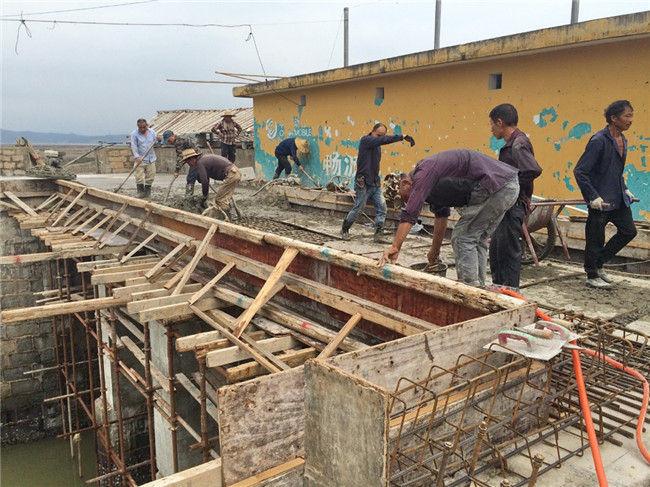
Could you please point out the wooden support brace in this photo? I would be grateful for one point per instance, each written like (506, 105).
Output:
(260, 359)
(340, 336)
(69, 207)
(87, 222)
(22, 205)
(209, 285)
(110, 225)
(164, 260)
(112, 236)
(75, 217)
(9, 205)
(226, 356)
(49, 310)
(136, 232)
(47, 202)
(194, 391)
(200, 252)
(140, 246)
(139, 355)
(59, 204)
(269, 289)
(101, 222)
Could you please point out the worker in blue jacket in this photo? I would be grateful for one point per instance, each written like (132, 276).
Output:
(297, 149)
(599, 174)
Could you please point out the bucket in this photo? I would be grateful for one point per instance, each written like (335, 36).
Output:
(438, 269)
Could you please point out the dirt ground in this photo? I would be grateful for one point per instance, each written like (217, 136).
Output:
(556, 284)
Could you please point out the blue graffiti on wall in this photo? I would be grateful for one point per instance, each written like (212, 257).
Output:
(496, 144)
(576, 133)
(540, 119)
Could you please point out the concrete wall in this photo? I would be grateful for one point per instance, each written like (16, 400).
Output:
(560, 93)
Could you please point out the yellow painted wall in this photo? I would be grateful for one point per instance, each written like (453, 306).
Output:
(560, 96)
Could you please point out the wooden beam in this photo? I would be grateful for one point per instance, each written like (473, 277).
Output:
(200, 252)
(194, 391)
(69, 207)
(157, 302)
(286, 467)
(269, 289)
(23, 206)
(260, 359)
(89, 219)
(165, 259)
(179, 310)
(115, 277)
(9, 205)
(47, 201)
(110, 225)
(134, 235)
(140, 246)
(340, 336)
(49, 310)
(139, 356)
(226, 356)
(112, 236)
(209, 285)
(293, 358)
(62, 254)
(96, 227)
(209, 340)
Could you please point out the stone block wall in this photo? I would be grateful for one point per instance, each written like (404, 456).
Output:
(25, 347)
(14, 160)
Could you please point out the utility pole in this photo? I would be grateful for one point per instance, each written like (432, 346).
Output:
(436, 38)
(346, 36)
(575, 8)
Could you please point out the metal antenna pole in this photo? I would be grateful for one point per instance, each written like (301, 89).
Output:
(346, 36)
(436, 39)
(575, 10)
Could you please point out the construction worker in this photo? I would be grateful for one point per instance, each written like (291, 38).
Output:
(297, 149)
(483, 189)
(228, 130)
(142, 140)
(599, 174)
(367, 185)
(180, 144)
(505, 243)
(215, 167)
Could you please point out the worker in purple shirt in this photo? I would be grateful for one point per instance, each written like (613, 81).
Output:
(215, 167)
(599, 173)
(481, 188)
(505, 244)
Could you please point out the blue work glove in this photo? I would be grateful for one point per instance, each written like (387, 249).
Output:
(410, 140)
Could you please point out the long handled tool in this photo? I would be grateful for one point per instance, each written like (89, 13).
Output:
(169, 190)
(100, 146)
(136, 166)
(310, 178)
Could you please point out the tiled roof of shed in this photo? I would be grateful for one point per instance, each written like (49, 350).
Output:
(186, 122)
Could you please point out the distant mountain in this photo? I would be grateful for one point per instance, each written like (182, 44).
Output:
(9, 137)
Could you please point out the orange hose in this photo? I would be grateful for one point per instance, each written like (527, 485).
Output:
(584, 402)
(618, 365)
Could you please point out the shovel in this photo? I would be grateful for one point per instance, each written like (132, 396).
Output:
(136, 166)
(168, 190)
(310, 178)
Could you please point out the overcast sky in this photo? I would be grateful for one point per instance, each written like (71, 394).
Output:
(69, 72)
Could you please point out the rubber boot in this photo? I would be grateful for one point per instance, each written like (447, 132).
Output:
(147, 191)
(189, 190)
(277, 173)
(345, 230)
(379, 233)
(140, 190)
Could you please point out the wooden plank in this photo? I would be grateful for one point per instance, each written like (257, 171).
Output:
(209, 285)
(160, 292)
(269, 289)
(69, 207)
(226, 356)
(49, 310)
(261, 424)
(140, 266)
(171, 265)
(200, 252)
(97, 265)
(22, 205)
(115, 277)
(205, 475)
(61, 254)
(259, 358)
(112, 236)
(295, 465)
(76, 216)
(209, 340)
(247, 371)
(194, 391)
(47, 201)
(87, 221)
(340, 336)
(165, 259)
(134, 235)
(9, 205)
(96, 227)
(115, 217)
(177, 310)
(157, 302)
(139, 355)
(140, 246)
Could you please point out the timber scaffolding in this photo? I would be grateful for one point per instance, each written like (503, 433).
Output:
(184, 343)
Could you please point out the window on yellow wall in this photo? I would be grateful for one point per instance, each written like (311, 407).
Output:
(303, 100)
(379, 93)
(495, 81)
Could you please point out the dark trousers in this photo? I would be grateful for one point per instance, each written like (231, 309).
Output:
(192, 175)
(283, 164)
(229, 151)
(505, 248)
(597, 252)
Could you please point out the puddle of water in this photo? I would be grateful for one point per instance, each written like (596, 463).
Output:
(47, 463)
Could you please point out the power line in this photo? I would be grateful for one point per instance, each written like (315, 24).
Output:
(146, 24)
(85, 8)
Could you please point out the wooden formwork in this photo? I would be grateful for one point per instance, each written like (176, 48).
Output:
(250, 307)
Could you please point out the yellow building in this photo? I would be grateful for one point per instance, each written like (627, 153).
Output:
(560, 79)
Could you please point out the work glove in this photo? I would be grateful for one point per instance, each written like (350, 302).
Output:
(300, 167)
(203, 204)
(597, 204)
(629, 194)
(410, 140)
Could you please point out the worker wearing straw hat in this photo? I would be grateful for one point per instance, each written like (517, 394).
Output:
(228, 130)
(297, 149)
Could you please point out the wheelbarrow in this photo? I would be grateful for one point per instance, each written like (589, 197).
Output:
(543, 215)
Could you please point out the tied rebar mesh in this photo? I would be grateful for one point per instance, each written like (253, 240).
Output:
(499, 416)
